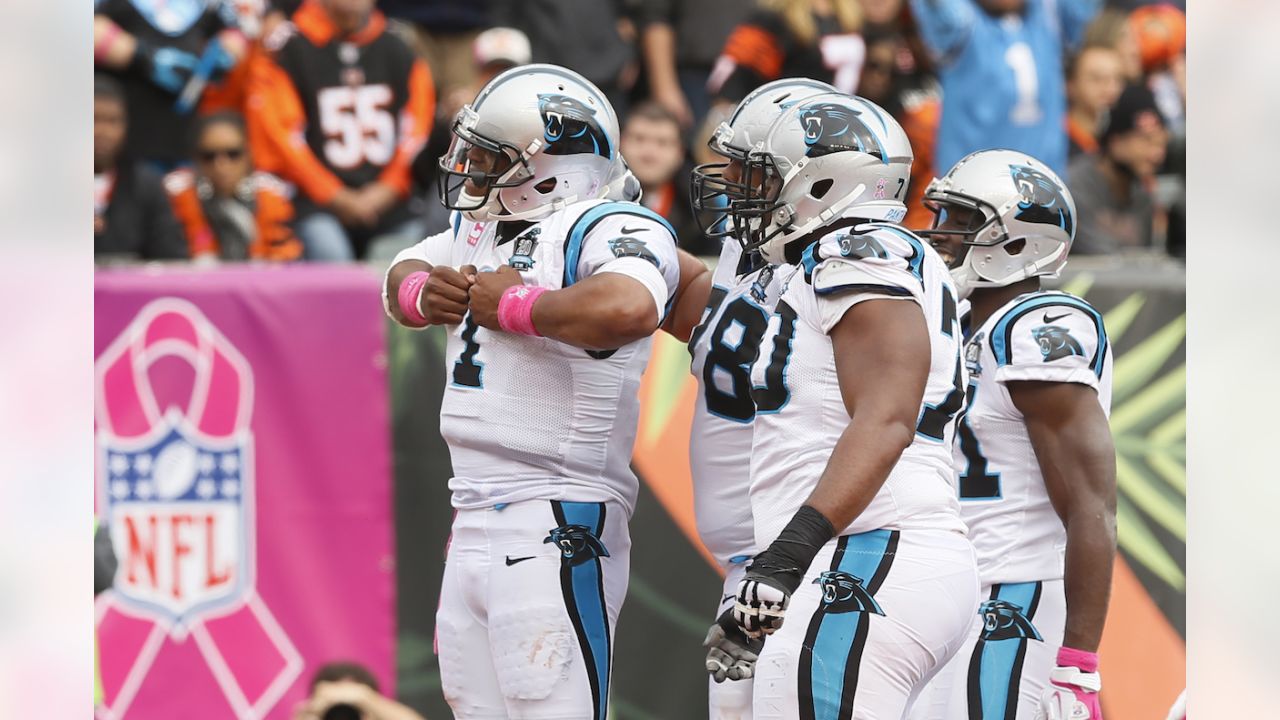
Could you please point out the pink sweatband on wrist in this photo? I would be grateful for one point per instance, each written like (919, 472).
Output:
(1070, 657)
(410, 293)
(515, 309)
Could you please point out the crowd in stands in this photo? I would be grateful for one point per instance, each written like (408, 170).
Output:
(279, 130)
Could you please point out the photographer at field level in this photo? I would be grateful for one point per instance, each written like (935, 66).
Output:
(349, 691)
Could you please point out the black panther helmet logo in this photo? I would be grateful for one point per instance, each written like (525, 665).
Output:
(843, 592)
(1042, 199)
(577, 544)
(570, 127)
(832, 127)
(1002, 620)
(861, 247)
(1056, 342)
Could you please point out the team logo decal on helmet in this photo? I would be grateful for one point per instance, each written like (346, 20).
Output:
(1003, 620)
(577, 544)
(1056, 342)
(1042, 200)
(570, 127)
(831, 127)
(843, 592)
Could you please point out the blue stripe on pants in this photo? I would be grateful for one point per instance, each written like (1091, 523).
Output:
(995, 671)
(832, 652)
(583, 586)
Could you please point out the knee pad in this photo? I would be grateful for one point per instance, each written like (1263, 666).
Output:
(533, 650)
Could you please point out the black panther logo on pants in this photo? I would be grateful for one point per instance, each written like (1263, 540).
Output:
(577, 544)
(570, 127)
(832, 127)
(843, 592)
(1002, 620)
(1042, 198)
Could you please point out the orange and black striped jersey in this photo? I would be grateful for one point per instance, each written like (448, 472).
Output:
(329, 111)
(763, 49)
(266, 197)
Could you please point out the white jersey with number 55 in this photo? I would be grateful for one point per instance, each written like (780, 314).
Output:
(531, 418)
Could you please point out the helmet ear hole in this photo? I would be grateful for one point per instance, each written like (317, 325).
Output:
(1015, 247)
(546, 186)
(820, 188)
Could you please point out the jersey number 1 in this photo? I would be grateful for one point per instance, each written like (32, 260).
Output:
(466, 371)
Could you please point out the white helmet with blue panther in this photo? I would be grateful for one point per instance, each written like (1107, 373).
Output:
(1018, 219)
(535, 139)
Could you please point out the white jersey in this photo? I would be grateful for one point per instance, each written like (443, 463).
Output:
(1044, 336)
(724, 346)
(531, 418)
(793, 442)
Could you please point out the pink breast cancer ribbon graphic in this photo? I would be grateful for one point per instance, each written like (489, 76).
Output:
(175, 473)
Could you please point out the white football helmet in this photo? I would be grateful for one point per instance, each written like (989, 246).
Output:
(1020, 219)
(535, 139)
(709, 189)
(826, 157)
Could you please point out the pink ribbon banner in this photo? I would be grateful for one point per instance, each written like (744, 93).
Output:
(243, 468)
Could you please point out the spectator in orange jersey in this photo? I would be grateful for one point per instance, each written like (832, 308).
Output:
(227, 211)
(791, 38)
(1095, 77)
(343, 107)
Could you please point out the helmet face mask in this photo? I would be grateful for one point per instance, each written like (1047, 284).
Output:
(475, 166)
(741, 179)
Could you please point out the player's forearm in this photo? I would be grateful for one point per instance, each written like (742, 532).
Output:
(597, 314)
(112, 47)
(859, 465)
(391, 290)
(1091, 550)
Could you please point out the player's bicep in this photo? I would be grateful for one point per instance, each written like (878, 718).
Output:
(882, 357)
(637, 247)
(1072, 440)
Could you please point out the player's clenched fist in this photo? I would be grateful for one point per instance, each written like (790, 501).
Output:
(487, 293)
(444, 297)
(760, 606)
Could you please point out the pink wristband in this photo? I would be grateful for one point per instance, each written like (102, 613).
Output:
(515, 309)
(1070, 657)
(409, 295)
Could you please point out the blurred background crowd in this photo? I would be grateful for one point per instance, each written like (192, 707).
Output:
(281, 131)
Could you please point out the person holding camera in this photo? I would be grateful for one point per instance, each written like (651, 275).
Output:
(349, 691)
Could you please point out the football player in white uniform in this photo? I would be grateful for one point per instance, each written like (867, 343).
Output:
(738, 299)
(851, 482)
(549, 294)
(1034, 454)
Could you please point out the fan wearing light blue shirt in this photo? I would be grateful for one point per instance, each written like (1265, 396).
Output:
(1001, 67)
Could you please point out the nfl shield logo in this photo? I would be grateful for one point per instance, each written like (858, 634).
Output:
(179, 505)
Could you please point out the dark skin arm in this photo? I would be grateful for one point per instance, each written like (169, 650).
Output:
(1077, 457)
(444, 298)
(882, 362)
(602, 312)
(691, 297)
